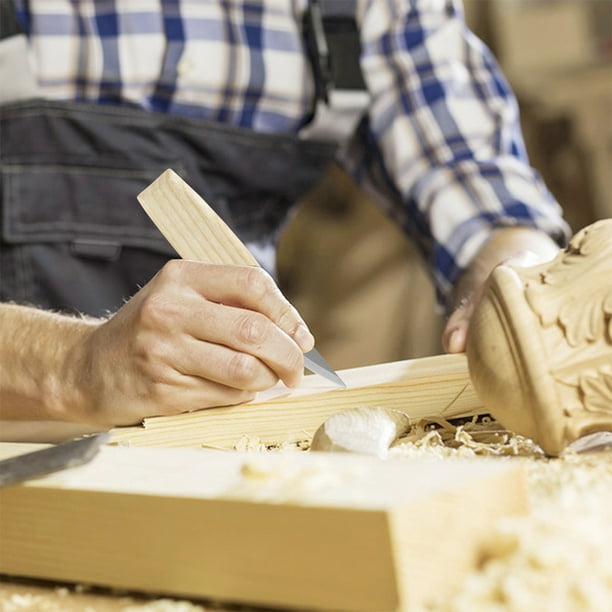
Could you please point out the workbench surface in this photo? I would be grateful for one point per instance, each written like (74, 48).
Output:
(557, 558)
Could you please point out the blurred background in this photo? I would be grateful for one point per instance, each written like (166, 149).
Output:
(355, 278)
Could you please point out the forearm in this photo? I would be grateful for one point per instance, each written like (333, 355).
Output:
(38, 380)
(445, 149)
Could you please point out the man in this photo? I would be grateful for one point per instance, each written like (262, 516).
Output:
(224, 93)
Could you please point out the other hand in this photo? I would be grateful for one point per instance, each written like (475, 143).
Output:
(519, 246)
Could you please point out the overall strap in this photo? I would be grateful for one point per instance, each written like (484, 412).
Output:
(334, 49)
(332, 39)
(340, 26)
(9, 26)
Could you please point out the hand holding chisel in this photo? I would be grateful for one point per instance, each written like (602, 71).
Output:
(193, 228)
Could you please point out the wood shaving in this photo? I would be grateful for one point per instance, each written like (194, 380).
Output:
(252, 444)
(165, 605)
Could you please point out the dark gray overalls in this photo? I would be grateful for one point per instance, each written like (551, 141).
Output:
(72, 235)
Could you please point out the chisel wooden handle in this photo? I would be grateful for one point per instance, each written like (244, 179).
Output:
(191, 226)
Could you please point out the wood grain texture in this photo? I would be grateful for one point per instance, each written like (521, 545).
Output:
(190, 225)
(436, 386)
(289, 529)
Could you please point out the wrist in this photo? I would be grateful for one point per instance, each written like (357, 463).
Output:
(41, 377)
(517, 245)
(70, 386)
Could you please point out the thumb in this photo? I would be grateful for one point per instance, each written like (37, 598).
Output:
(454, 336)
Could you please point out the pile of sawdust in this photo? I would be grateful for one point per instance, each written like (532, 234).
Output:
(556, 559)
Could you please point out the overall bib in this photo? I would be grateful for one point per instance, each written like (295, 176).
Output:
(73, 237)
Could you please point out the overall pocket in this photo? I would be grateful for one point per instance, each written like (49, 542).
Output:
(74, 237)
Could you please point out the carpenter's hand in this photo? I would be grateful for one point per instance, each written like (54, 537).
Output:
(196, 336)
(517, 246)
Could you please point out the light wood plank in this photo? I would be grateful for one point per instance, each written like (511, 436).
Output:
(436, 386)
(295, 530)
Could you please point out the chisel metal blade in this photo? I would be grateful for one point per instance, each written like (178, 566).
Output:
(598, 441)
(314, 362)
(51, 459)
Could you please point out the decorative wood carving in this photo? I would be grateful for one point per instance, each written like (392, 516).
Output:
(540, 344)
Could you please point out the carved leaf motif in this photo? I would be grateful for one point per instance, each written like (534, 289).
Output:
(586, 320)
(597, 390)
(557, 293)
(565, 268)
(591, 244)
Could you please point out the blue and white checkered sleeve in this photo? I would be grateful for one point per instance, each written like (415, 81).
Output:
(442, 147)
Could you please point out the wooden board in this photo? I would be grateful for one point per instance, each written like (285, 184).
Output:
(436, 386)
(290, 529)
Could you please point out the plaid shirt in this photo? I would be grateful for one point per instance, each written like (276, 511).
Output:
(442, 151)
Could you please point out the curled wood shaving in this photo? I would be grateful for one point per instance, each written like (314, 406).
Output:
(475, 437)
(252, 444)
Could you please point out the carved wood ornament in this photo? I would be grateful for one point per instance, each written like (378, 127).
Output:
(540, 343)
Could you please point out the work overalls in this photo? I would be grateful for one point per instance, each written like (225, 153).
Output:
(73, 236)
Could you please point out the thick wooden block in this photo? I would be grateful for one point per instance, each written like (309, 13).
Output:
(294, 529)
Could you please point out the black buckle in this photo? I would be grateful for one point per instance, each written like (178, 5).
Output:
(9, 26)
(318, 51)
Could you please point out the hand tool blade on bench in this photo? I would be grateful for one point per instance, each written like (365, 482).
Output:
(313, 360)
(195, 231)
(598, 441)
(50, 459)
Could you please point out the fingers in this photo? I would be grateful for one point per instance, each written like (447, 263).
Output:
(516, 247)
(195, 336)
(227, 322)
(243, 349)
(454, 336)
(253, 289)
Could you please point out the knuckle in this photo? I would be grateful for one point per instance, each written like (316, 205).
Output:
(258, 283)
(155, 310)
(294, 361)
(242, 369)
(251, 329)
(288, 317)
(260, 286)
(171, 270)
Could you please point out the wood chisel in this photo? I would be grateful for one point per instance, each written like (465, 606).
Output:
(50, 459)
(195, 231)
